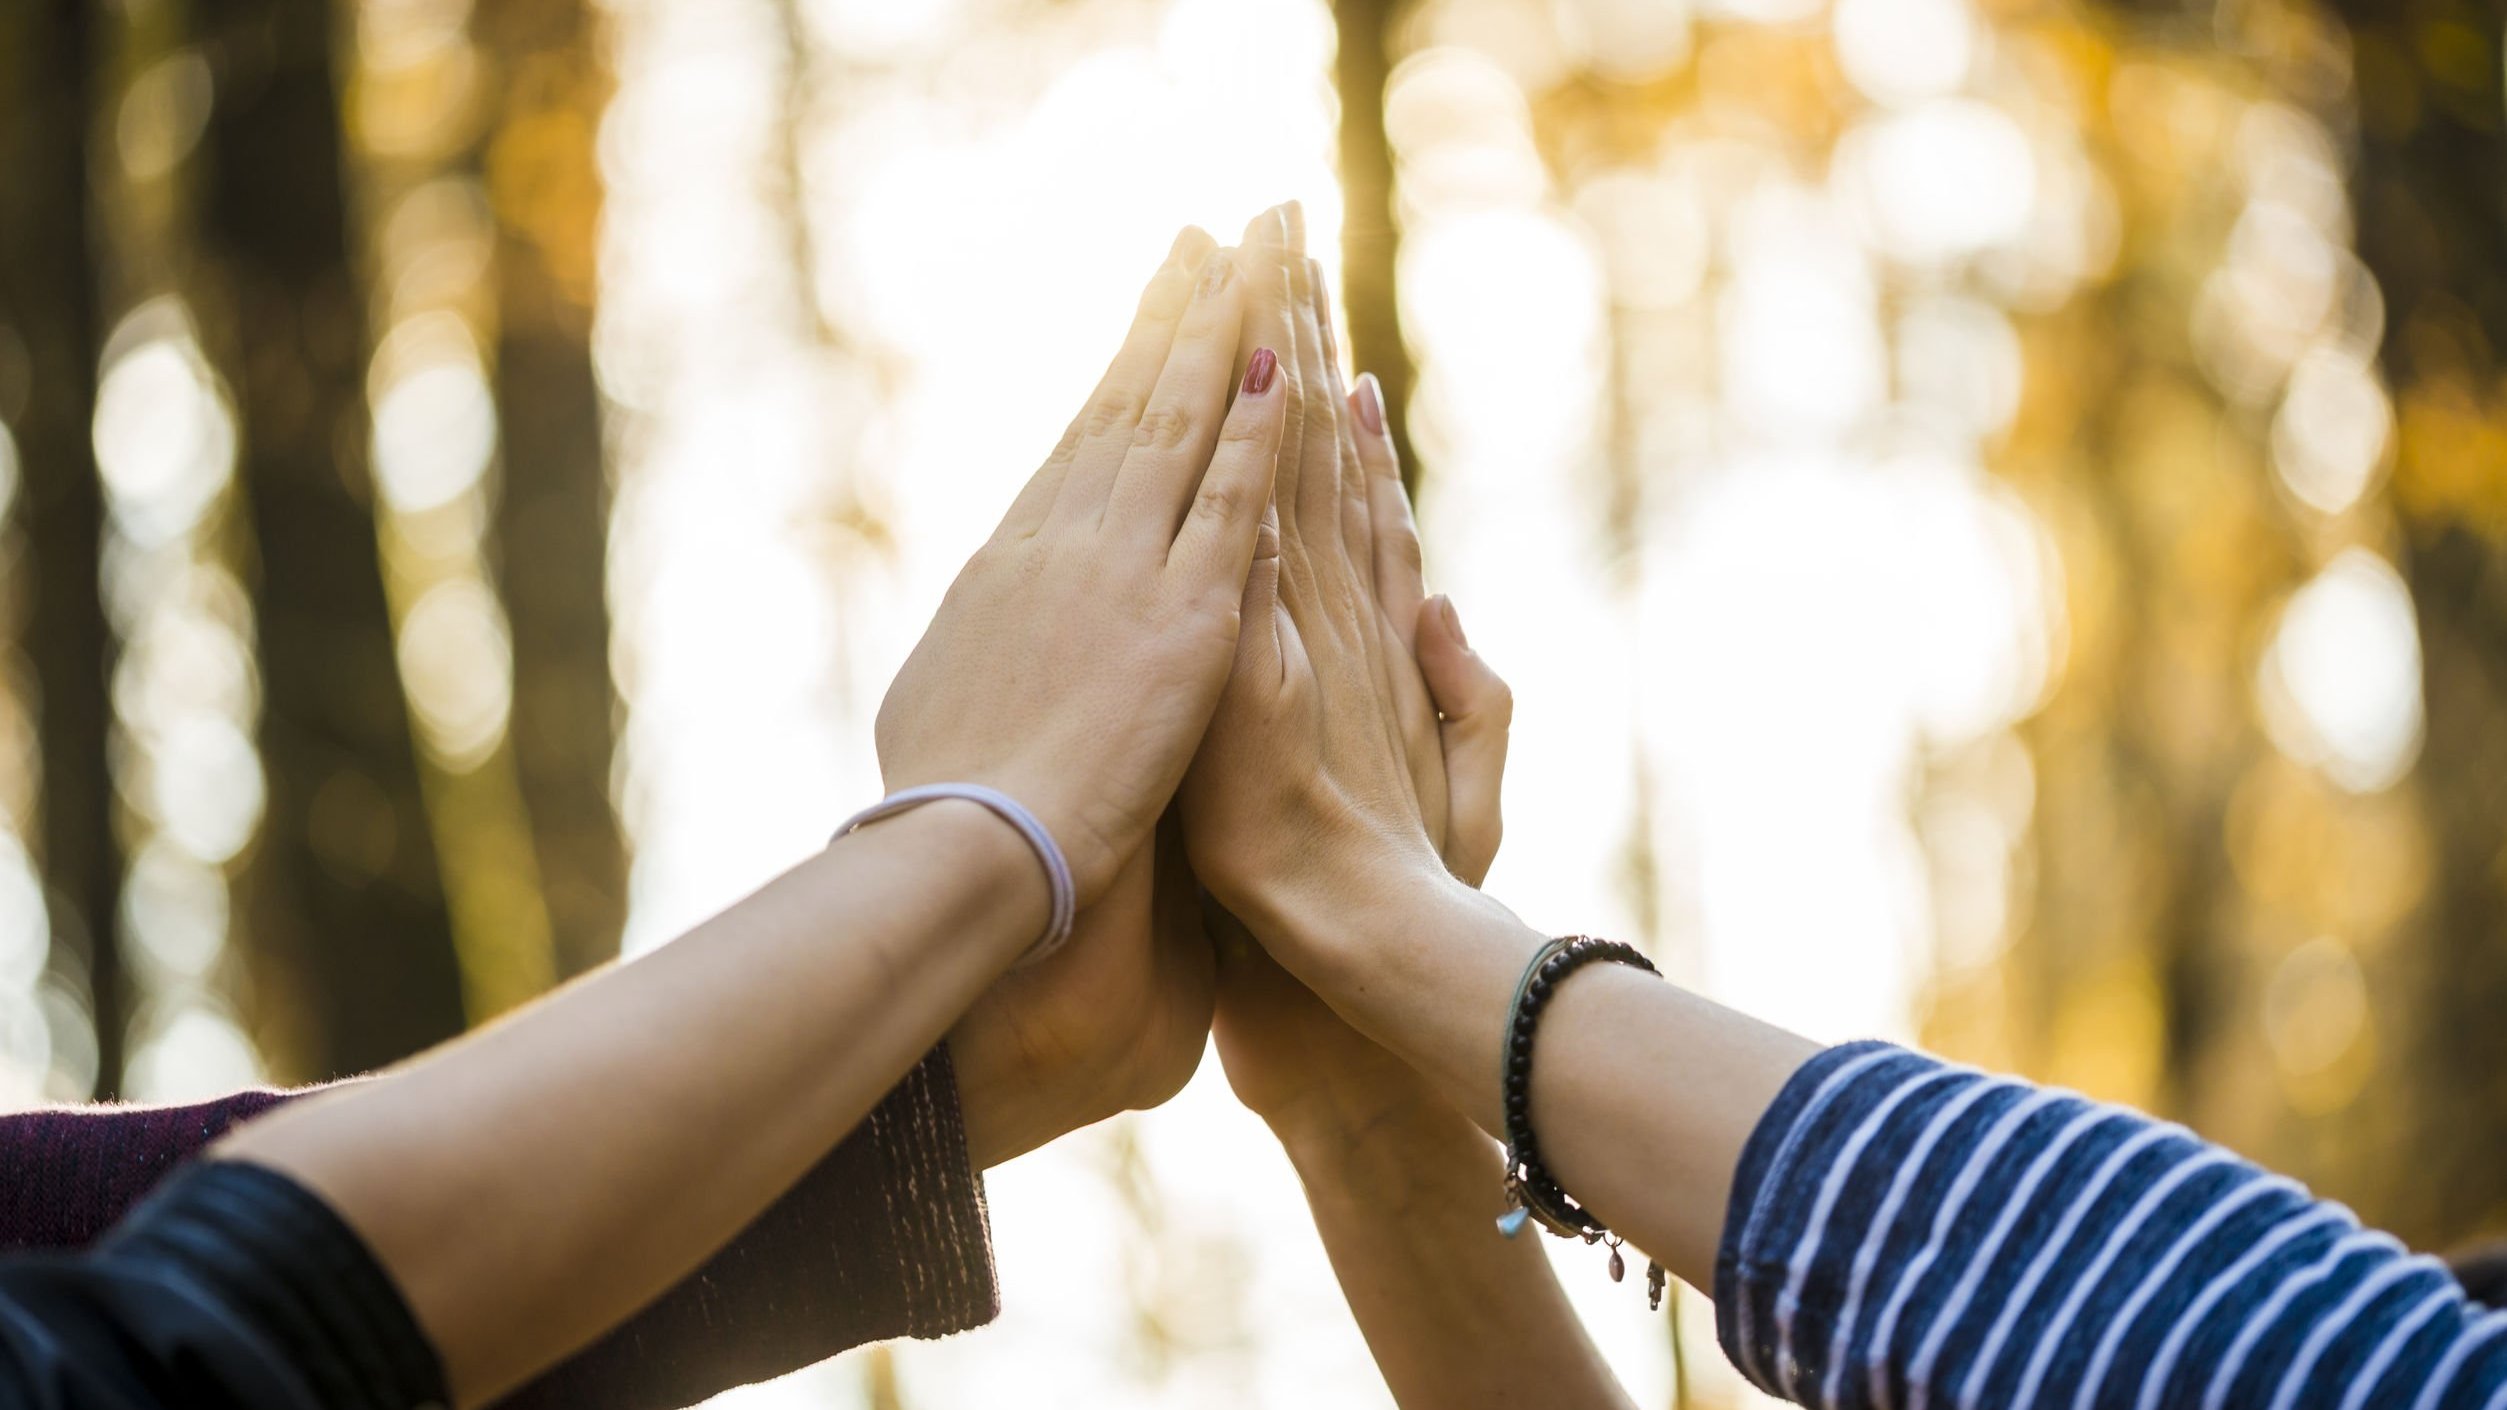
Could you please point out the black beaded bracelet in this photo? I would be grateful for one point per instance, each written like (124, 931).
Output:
(1531, 1193)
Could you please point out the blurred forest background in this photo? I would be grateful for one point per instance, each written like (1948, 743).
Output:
(1995, 510)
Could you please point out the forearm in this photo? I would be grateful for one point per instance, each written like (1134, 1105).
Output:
(1455, 1314)
(536, 1182)
(1642, 1093)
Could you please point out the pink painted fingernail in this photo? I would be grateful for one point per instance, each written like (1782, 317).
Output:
(1371, 402)
(1258, 372)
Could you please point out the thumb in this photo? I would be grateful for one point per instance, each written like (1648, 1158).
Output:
(1478, 709)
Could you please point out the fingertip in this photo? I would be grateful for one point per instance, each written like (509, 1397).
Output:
(1366, 402)
(1440, 628)
(1458, 680)
(1268, 229)
(1192, 245)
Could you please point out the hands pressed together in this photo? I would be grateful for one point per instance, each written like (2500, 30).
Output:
(1199, 657)
(1260, 767)
(1200, 649)
(1241, 706)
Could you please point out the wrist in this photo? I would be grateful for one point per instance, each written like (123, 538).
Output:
(1395, 1152)
(1369, 935)
(1003, 892)
(1327, 921)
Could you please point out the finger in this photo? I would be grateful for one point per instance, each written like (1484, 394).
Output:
(1479, 712)
(1403, 700)
(1171, 446)
(1400, 579)
(1266, 289)
(1313, 510)
(1092, 448)
(1267, 326)
(1357, 532)
(1215, 551)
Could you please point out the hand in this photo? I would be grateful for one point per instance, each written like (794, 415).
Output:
(1115, 1021)
(1292, 1061)
(1289, 1058)
(1322, 778)
(1075, 662)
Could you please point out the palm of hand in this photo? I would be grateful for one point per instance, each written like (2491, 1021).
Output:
(1116, 1021)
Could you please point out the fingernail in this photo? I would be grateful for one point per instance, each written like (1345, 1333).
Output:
(1258, 373)
(1453, 619)
(1371, 412)
(1295, 214)
(1215, 274)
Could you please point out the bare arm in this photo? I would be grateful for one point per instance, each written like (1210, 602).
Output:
(1642, 1093)
(1405, 1193)
(536, 1182)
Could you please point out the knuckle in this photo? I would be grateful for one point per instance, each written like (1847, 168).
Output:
(1111, 410)
(1244, 431)
(1068, 447)
(1219, 498)
(1162, 428)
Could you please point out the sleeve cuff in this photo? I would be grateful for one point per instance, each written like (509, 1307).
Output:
(935, 1204)
(1750, 1261)
(886, 1237)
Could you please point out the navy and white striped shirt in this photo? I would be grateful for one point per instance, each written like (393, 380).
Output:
(1909, 1235)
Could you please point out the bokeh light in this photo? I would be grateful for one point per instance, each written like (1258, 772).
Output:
(1929, 469)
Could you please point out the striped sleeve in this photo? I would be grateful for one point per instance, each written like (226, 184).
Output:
(1916, 1236)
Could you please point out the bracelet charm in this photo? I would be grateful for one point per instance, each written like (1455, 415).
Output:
(1532, 1195)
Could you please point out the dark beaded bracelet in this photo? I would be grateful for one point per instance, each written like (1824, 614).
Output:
(1531, 1193)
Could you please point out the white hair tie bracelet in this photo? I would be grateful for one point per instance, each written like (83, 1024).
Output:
(1009, 810)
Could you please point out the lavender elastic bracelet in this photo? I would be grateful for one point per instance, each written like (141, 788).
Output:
(1008, 809)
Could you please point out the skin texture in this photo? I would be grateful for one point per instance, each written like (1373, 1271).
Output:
(1403, 1188)
(1048, 1049)
(1306, 816)
(522, 1206)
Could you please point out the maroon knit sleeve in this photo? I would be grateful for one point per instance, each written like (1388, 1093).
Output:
(67, 1173)
(886, 1237)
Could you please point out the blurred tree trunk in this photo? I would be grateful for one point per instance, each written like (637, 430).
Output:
(48, 348)
(2431, 192)
(344, 903)
(552, 519)
(1370, 225)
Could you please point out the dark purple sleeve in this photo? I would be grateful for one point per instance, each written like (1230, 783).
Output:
(886, 1237)
(70, 1172)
